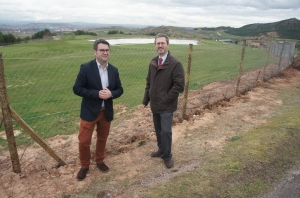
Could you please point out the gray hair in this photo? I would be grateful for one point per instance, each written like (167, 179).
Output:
(161, 35)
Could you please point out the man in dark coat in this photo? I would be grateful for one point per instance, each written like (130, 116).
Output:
(98, 83)
(164, 82)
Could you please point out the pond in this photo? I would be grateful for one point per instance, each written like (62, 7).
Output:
(146, 41)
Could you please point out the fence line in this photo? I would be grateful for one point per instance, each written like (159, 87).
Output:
(39, 85)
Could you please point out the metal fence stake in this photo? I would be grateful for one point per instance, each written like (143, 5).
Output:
(266, 61)
(279, 64)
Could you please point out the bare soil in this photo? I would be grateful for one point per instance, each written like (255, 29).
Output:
(215, 111)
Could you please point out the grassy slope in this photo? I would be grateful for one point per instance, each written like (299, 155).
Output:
(238, 172)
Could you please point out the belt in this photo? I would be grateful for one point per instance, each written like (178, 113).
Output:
(102, 109)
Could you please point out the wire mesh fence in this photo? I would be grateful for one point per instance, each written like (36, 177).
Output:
(39, 84)
(285, 52)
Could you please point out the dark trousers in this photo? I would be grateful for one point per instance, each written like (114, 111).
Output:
(85, 138)
(163, 128)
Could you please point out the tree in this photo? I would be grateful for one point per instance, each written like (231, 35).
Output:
(81, 32)
(1, 38)
(47, 33)
(113, 32)
(9, 39)
(27, 38)
(41, 34)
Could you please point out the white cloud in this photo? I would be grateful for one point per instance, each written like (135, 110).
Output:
(193, 13)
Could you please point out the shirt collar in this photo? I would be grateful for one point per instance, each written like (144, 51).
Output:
(100, 66)
(164, 57)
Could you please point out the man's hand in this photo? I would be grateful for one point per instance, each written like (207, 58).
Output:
(105, 94)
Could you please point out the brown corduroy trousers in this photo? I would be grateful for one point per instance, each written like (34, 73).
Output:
(85, 138)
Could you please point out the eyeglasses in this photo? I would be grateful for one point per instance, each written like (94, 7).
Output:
(103, 50)
(161, 43)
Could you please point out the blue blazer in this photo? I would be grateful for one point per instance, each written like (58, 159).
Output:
(88, 84)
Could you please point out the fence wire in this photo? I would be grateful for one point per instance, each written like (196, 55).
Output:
(39, 84)
(284, 51)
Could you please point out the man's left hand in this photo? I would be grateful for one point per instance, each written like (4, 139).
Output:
(105, 94)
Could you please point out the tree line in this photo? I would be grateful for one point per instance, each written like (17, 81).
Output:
(115, 32)
(9, 39)
(81, 32)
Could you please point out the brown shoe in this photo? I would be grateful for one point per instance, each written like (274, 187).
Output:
(156, 154)
(82, 174)
(169, 163)
(102, 167)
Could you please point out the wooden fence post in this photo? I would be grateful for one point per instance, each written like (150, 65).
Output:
(241, 68)
(8, 115)
(39, 140)
(186, 88)
(1, 115)
(7, 120)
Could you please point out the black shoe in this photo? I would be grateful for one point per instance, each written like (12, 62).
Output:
(156, 154)
(82, 174)
(169, 163)
(102, 167)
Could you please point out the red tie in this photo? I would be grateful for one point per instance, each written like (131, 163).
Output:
(159, 62)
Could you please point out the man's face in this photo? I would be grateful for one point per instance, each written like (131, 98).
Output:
(102, 53)
(161, 46)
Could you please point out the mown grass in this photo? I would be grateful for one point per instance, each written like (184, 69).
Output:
(248, 165)
(40, 76)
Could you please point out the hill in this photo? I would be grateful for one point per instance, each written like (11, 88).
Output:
(286, 29)
(180, 32)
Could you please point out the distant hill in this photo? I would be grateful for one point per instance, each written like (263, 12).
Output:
(179, 32)
(286, 29)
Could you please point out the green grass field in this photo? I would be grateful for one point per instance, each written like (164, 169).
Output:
(40, 76)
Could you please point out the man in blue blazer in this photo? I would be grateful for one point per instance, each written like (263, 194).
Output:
(98, 83)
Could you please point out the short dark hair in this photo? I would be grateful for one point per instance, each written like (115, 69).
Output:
(100, 41)
(161, 35)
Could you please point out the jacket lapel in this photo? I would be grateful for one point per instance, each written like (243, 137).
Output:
(110, 75)
(97, 74)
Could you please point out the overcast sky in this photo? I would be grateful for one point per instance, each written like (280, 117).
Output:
(184, 13)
